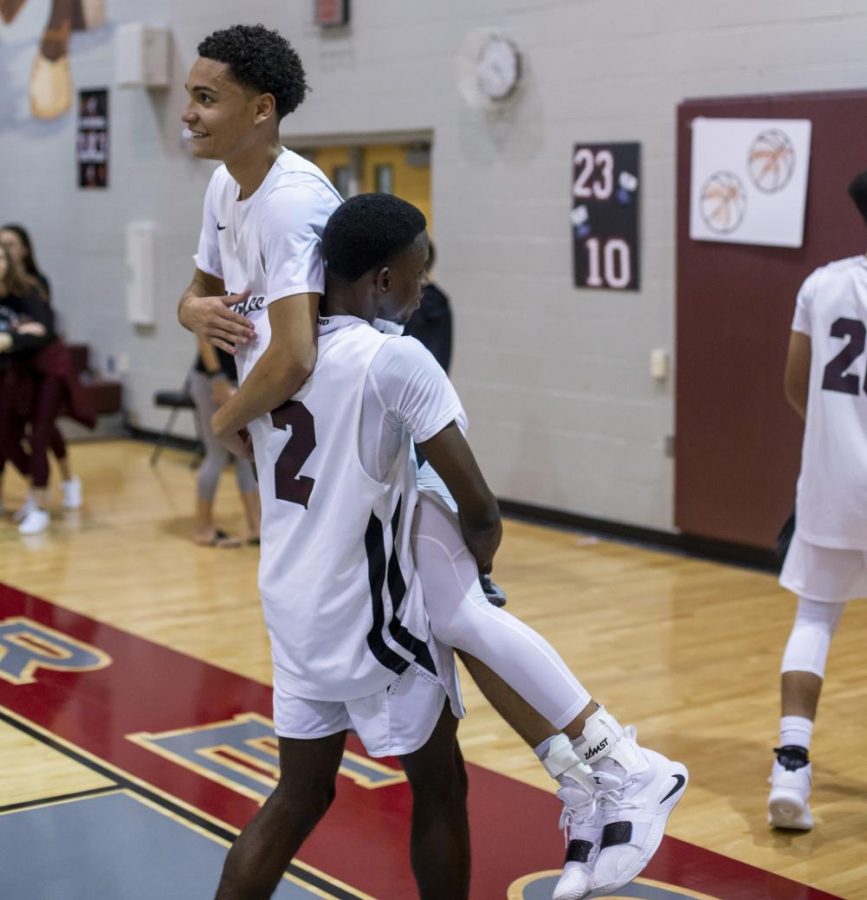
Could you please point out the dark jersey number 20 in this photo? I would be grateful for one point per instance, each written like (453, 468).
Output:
(836, 378)
(288, 484)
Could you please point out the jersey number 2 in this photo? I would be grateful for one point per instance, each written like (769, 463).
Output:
(836, 378)
(288, 484)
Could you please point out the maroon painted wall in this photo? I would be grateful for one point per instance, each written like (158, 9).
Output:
(737, 442)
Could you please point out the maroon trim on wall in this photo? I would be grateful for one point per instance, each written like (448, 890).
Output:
(738, 444)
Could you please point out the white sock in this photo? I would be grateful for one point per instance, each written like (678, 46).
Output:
(795, 730)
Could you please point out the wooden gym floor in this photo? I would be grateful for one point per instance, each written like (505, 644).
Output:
(687, 650)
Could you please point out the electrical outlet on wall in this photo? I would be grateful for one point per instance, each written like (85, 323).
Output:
(123, 362)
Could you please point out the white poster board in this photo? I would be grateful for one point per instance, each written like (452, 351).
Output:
(749, 180)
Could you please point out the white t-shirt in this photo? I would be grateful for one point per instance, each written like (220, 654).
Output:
(269, 243)
(342, 600)
(832, 488)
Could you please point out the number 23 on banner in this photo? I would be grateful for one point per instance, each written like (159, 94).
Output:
(605, 200)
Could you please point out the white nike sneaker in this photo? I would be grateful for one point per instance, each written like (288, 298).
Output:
(633, 814)
(72, 493)
(788, 803)
(35, 521)
(581, 831)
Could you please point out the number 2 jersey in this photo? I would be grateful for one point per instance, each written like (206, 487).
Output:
(342, 600)
(832, 487)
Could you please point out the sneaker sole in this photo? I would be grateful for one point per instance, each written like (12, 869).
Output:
(787, 809)
(657, 831)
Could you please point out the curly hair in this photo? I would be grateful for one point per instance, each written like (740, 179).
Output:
(858, 193)
(368, 231)
(262, 60)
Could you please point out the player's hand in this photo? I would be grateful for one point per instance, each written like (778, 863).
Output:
(211, 319)
(5, 341)
(236, 444)
(483, 544)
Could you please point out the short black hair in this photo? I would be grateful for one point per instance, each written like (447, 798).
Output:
(262, 60)
(368, 231)
(858, 193)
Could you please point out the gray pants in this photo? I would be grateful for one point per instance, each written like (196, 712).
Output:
(217, 457)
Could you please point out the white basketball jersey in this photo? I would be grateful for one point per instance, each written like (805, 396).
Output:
(832, 487)
(342, 600)
(269, 243)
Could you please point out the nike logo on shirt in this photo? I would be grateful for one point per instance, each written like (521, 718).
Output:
(221, 227)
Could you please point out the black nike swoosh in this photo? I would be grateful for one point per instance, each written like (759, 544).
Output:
(221, 227)
(680, 781)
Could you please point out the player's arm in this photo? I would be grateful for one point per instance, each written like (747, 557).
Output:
(204, 310)
(796, 381)
(451, 457)
(280, 370)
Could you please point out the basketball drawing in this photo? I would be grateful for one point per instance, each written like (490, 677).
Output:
(771, 160)
(723, 202)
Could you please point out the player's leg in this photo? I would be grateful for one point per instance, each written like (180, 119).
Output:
(802, 675)
(594, 750)
(440, 840)
(412, 720)
(308, 770)
(820, 573)
(461, 617)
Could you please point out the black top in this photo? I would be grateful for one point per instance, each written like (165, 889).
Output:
(431, 324)
(44, 283)
(227, 365)
(15, 310)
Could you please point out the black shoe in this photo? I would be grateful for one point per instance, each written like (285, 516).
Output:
(495, 595)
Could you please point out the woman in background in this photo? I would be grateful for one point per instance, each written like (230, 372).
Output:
(17, 242)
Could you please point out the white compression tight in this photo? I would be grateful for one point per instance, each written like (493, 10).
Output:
(810, 640)
(461, 617)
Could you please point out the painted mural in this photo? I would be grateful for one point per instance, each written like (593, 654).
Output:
(50, 89)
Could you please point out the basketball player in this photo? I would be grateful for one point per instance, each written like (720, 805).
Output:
(234, 117)
(826, 564)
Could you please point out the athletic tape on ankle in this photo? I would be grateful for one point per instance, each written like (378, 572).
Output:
(601, 733)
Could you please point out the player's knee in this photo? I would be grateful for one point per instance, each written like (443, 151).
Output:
(309, 798)
(440, 784)
(810, 639)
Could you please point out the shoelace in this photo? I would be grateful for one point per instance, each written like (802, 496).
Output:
(613, 797)
(574, 816)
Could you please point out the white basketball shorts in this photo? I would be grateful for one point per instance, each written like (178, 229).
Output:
(392, 722)
(826, 574)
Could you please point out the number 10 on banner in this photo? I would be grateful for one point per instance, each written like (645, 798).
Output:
(605, 200)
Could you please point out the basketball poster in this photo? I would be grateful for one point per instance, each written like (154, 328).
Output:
(748, 181)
